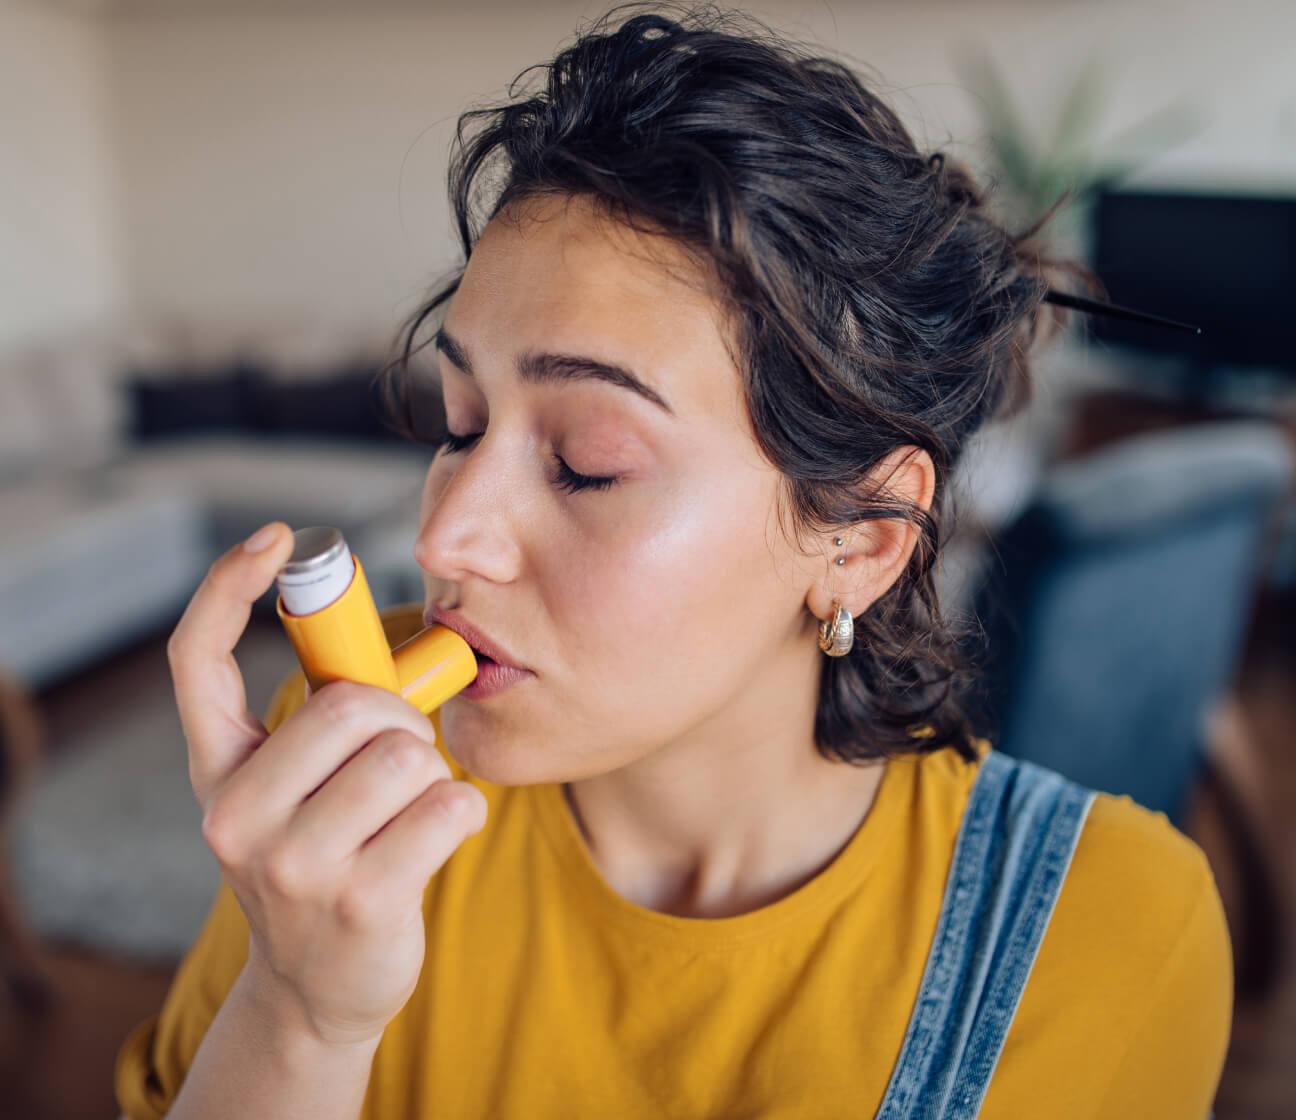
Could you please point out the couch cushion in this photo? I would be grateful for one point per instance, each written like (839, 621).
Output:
(163, 405)
(243, 481)
(87, 567)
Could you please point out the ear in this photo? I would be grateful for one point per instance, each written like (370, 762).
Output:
(876, 551)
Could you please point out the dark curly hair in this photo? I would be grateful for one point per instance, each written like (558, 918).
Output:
(876, 302)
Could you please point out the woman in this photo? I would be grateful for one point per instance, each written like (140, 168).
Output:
(727, 844)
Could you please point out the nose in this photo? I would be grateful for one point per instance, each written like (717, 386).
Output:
(446, 594)
(464, 522)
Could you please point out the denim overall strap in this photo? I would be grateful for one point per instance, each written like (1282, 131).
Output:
(1015, 843)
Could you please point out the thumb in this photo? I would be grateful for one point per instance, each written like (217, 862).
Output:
(209, 689)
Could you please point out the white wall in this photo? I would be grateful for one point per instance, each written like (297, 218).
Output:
(60, 263)
(274, 160)
(278, 160)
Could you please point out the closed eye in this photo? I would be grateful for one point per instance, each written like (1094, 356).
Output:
(567, 479)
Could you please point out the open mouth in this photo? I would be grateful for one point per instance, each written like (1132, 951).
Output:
(492, 678)
(482, 658)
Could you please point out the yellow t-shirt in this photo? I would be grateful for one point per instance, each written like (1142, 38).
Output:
(544, 993)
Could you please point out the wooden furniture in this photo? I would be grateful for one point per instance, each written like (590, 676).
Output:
(25, 984)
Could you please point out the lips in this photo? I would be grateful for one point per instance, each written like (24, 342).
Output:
(482, 643)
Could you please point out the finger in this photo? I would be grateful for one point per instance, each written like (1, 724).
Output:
(308, 749)
(400, 859)
(209, 690)
(372, 787)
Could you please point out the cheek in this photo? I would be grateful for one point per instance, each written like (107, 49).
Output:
(656, 595)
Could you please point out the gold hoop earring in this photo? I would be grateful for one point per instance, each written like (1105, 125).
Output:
(836, 637)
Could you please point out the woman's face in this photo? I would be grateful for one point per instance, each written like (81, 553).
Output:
(659, 610)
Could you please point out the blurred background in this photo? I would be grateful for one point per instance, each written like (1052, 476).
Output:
(213, 216)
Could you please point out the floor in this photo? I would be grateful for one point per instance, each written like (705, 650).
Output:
(100, 1000)
(62, 1068)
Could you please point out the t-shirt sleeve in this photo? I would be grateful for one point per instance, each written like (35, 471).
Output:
(1175, 1055)
(152, 1061)
(155, 1056)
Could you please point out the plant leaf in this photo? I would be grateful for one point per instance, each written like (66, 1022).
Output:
(1009, 141)
(1079, 114)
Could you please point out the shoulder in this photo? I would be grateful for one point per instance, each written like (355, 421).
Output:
(1126, 857)
(1137, 952)
(1133, 875)
(1146, 879)
(1139, 897)
(1145, 896)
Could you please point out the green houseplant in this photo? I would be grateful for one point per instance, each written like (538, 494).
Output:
(1030, 172)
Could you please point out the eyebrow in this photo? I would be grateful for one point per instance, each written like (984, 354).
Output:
(539, 368)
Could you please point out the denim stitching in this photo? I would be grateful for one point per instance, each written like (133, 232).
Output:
(1015, 843)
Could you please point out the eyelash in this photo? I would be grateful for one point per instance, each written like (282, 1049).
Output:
(568, 479)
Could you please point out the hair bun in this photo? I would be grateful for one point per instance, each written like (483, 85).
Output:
(1021, 265)
(955, 181)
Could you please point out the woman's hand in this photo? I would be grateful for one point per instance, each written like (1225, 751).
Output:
(326, 830)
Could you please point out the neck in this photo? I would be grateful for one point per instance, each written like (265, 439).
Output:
(727, 820)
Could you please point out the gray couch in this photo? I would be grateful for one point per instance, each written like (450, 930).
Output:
(104, 541)
(104, 538)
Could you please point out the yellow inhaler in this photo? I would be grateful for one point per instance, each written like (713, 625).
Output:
(328, 611)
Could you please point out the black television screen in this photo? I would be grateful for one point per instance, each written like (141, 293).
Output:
(1226, 263)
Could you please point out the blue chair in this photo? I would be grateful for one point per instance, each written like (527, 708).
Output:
(1115, 606)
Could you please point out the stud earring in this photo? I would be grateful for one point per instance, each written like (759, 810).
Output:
(837, 635)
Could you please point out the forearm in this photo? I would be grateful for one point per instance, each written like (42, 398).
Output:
(253, 1062)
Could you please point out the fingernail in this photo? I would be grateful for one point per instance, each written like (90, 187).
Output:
(262, 538)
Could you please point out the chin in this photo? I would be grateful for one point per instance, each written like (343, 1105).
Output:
(501, 761)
